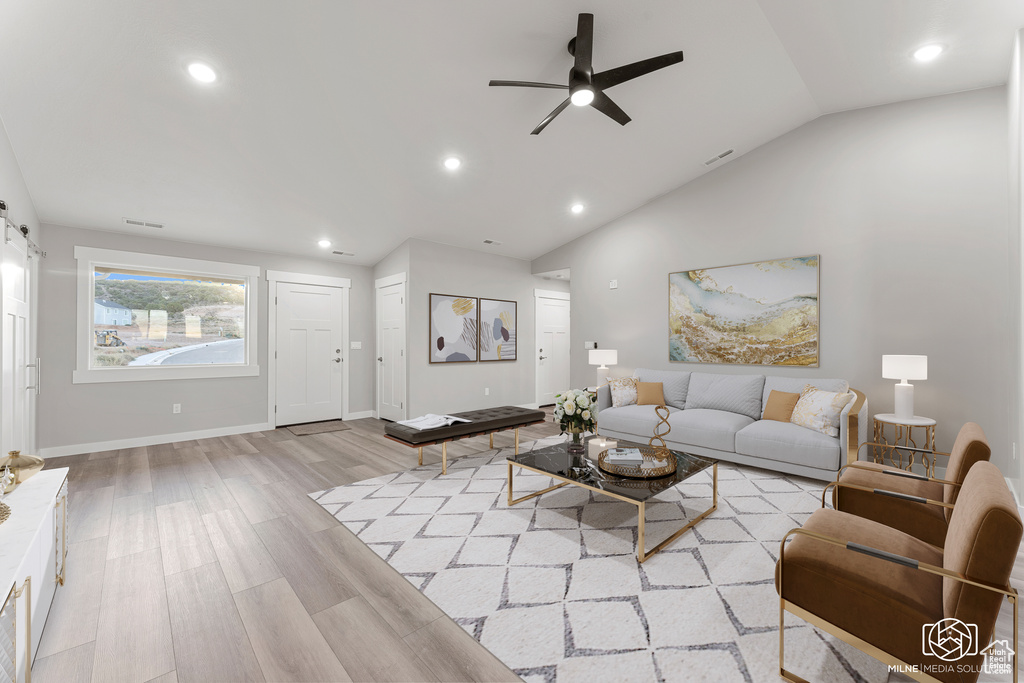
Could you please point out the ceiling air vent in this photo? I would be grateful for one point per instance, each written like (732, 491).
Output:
(495, 243)
(343, 253)
(141, 224)
(719, 157)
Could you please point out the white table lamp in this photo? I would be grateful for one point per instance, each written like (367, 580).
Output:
(603, 358)
(904, 368)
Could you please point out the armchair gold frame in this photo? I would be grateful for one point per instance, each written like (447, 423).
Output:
(864, 646)
(904, 474)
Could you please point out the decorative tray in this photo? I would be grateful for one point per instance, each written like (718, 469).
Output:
(657, 463)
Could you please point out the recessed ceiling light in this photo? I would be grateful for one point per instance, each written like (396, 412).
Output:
(576, 208)
(452, 163)
(324, 243)
(927, 53)
(202, 72)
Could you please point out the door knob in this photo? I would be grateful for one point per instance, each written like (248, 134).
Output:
(543, 357)
(380, 358)
(337, 360)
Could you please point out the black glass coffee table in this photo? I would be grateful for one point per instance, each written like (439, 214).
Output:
(555, 462)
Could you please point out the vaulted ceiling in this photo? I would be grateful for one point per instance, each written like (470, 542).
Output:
(331, 118)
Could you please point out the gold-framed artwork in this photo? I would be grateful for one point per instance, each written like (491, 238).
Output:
(761, 313)
(453, 329)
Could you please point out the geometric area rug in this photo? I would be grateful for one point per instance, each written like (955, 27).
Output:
(553, 588)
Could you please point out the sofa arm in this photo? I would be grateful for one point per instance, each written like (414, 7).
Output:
(853, 426)
(604, 397)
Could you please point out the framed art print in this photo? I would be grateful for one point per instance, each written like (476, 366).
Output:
(497, 330)
(453, 329)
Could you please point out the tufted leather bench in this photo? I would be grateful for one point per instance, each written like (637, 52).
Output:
(486, 421)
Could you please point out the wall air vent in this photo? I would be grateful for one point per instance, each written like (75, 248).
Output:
(343, 253)
(494, 243)
(141, 224)
(719, 157)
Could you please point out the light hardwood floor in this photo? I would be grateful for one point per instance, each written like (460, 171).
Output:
(206, 561)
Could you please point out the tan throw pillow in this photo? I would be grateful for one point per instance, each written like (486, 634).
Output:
(819, 410)
(623, 391)
(780, 406)
(650, 394)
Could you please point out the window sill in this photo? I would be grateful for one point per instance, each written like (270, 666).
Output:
(145, 374)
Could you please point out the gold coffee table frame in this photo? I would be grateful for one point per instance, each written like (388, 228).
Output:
(641, 552)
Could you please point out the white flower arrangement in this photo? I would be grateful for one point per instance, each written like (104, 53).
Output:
(574, 411)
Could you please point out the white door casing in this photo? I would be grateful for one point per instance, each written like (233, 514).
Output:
(391, 358)
(308, 348)
(552, 344)
(20, 377)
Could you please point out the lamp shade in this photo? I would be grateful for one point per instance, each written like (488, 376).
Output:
(604, 356)
(904, 367)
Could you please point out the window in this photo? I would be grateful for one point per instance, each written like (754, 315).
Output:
(146, 317)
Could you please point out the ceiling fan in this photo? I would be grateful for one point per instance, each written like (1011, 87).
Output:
(585, 87)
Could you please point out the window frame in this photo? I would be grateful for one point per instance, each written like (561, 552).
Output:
(90, 257)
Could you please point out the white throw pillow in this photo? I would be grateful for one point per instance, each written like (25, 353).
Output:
(819, 410)
(623, 391)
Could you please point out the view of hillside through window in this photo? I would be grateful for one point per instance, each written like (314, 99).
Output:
(144, 318)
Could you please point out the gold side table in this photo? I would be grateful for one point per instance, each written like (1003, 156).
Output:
(903, 435)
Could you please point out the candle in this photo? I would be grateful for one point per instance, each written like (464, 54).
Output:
(598, 444)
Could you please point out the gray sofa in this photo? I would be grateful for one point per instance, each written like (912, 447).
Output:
(720, 416)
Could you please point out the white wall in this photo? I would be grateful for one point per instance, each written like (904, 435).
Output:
(14, 191)
(907, 204)
(1015, 107)
(442, 387)
(71, 414)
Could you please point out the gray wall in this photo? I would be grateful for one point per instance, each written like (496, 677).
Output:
(907, 204)
(441, 387)
(1015, 106)
(72, 414)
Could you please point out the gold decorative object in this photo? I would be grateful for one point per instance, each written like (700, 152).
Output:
(5, 512)
(659, 434)
(22, 467)
(650, 455)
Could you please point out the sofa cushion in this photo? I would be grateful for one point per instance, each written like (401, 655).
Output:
(650, 394)
(634, 419)
(795, 385)
(733, 393)
(820, 410)
(674, 384)
(779, 406)
(708, 428)
(790, 443)
(623, 391)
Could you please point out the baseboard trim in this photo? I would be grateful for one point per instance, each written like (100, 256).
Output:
(1013, 490)
(361, 414)
(76, 449)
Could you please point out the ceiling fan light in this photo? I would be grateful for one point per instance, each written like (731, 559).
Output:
(582, 96)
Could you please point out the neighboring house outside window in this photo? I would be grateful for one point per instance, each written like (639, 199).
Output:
(146, 317)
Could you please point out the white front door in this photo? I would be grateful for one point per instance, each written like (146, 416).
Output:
(17, 395)
(391, 350)
(552, 346)
(309, 353)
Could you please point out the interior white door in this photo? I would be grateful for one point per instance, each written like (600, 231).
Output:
(309, 353)
(552, 348)
(391, 351)
(16, 397)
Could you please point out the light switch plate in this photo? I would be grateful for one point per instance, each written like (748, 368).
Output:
(357, 345)
(587, 346)
(613, 284)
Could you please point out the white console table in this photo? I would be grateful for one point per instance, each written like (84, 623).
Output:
(33, 547)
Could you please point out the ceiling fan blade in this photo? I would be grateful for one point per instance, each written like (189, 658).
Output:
(584, 50)
(550, 117)
(604, 104)
(529, 84)
(607, 79)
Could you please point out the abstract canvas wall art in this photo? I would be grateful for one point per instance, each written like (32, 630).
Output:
(763, 313)
(453, 329)
(497, 329)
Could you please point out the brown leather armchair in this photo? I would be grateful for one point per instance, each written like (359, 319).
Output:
(912, 503)
(880, 589)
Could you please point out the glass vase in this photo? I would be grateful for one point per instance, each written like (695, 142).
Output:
(575, 447)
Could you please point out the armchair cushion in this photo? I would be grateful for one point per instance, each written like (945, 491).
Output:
(880, 602)
(926, 522)
(970, 447)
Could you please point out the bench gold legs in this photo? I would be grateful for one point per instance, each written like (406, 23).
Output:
(444, 457)
(421, 456)
(517, 440)
(492, 439)
(444, 451)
